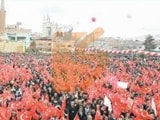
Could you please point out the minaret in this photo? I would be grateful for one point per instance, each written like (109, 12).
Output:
(2, 18)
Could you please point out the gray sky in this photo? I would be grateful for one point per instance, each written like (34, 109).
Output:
(110, 14)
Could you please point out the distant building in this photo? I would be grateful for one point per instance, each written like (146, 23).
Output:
(15, 33)
(107, 43)
(157, 49)
(2, 18)
(44, 44)
(12, 46)
(49, 28)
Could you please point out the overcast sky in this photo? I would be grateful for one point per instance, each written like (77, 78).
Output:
(112, 15)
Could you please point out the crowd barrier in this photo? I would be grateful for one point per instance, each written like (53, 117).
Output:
(91, 50)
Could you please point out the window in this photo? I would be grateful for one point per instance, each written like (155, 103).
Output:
(11, 38)
(40, 44)
(21, 38)
(49, 44)
(69, 45)
(63, 45)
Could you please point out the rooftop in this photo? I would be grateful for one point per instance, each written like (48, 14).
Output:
(17, 30)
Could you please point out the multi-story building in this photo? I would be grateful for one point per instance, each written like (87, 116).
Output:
(2, 18)
(15, 33)
(44, 44)
(49, 28)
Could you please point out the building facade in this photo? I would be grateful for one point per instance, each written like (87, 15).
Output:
(48, 27)
(2, 18)
(12, 46)
(15, 33)
(43, 45)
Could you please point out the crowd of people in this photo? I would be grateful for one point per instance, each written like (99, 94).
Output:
(60, 87)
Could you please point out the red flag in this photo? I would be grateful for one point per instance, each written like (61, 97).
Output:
(25, 116)
(77, 117)
(5, 113)
(63, 106)
(98, 114)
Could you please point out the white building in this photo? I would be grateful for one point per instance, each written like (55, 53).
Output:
(50, 27)
(15, 33)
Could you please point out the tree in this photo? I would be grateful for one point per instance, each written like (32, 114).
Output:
(33, 45)
(149, 43)
(32, 48)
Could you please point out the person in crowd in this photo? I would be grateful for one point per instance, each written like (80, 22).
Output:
(27, 89)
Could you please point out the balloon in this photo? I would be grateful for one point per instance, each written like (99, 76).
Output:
(93, 19)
